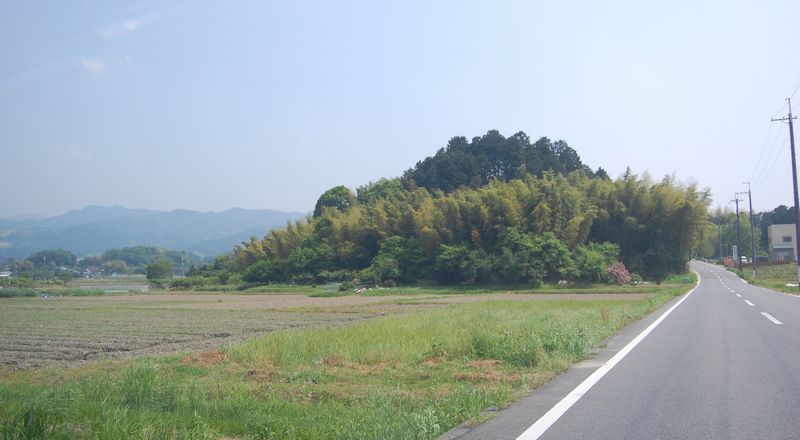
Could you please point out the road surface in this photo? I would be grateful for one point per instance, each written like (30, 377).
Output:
(724, 364)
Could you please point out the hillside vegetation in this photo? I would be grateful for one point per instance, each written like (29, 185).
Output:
(493, 210)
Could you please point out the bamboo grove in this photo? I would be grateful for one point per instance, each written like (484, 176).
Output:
(516, 212)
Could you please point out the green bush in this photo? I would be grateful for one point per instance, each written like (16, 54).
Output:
(14, 292)
(187, 283)
(20, 282)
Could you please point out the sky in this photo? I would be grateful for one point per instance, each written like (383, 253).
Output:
(209, 105)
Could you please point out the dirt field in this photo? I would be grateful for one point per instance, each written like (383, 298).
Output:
(72, 331)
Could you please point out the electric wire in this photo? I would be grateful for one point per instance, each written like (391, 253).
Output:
(763, 148)
(758, 176)
(767, 171)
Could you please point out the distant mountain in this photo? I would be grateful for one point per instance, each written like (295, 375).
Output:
(93, 229)
(91, 214)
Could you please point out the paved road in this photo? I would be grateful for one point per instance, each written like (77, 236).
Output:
(724, 364)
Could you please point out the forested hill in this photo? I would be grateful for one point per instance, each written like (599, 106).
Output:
(493, 156)
(493, 210)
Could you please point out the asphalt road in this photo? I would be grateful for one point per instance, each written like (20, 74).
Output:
(724, 364)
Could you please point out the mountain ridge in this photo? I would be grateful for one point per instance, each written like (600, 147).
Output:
(93, 229)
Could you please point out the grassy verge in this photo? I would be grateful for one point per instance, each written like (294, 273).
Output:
(410, 376)
(332, 290)
(773, 277)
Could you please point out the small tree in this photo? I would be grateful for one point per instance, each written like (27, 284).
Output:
(118, 267)
(619, 273)
(159, 270)
(65, 276)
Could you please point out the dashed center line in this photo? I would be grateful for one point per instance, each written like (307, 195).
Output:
(739, 295)
(749, 303)
(771, 318)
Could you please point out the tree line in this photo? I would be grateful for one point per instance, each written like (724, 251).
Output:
(50, 263)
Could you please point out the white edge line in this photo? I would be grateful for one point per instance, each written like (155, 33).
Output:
(771, 318)
(749, 303)
(550, 417)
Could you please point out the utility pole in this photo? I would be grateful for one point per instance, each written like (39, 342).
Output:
(738, 234)
(752, 230)
(789, 119)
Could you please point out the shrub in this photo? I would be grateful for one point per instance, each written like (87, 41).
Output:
(13, 292)
(187, 283)
(619, 273)
(261, 272)
(21, 282)
(348, 286)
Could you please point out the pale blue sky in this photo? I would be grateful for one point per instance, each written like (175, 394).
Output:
(212, 105)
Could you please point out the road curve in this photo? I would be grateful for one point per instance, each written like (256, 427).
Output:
(724, 364)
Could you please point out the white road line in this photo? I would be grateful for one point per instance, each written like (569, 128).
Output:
(771, 318)
(749, 303)
(738, 295)
(546, 421)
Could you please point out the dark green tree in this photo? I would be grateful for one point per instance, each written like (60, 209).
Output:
(338, 197)
(58, 257)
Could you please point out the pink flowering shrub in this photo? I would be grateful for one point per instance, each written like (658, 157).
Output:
(619, 273)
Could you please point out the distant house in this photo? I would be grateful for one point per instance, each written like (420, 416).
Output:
(5, 274)
(782, 242)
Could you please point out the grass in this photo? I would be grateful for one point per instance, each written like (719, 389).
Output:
(410, 376)
(774, 277)
(332, 289)
(23, 292)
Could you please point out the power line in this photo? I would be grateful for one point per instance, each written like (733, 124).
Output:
(775, 154)
(763, 147)
(797, 87)
(772, 154)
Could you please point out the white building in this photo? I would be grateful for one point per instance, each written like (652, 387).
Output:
(782, 242)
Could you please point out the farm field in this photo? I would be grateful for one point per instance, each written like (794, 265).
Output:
(290, 366)
(71, 331)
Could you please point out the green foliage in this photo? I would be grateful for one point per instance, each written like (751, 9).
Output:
(136, 259)
(338, 197)
(382, 189)
(18, 282)
(593, 260)
(530, 258)
(159, 270)
(13, 292)
(492, 156)
(261, 272)
(187, 283)
(115, 267)
(493, 210)
(59, 257)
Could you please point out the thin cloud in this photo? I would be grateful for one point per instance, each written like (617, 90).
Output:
(95, 66)
(121, 29)
(99, 65)
(75, 152)
(122, 59)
